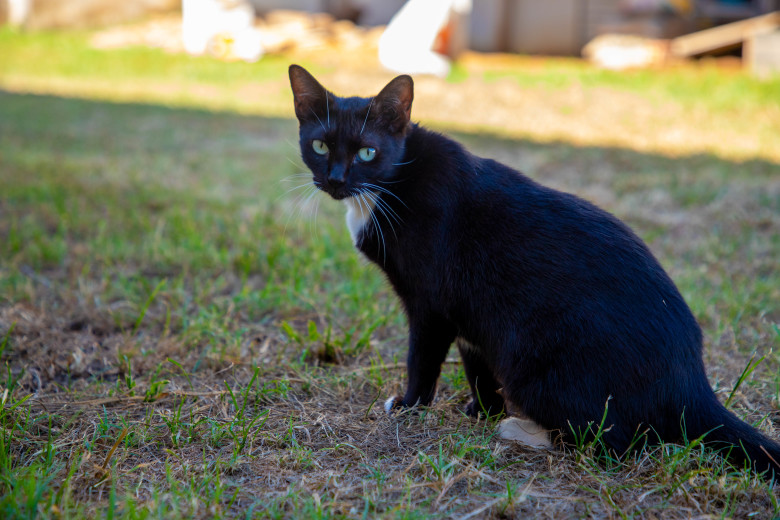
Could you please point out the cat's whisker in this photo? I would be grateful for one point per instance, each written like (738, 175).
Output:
(387, 205)
(295, 188)
(294, 177)
(378, 227)
(296, 164)
(354, 193)
(366, 119)
(361, 201)
(327, 107)
(316, 213)
(320, 121)
(381, 206)
(311, 194)
(306, 207)
(386, 209)
(389, 212)
(404, 163)
(385, 190)
(300, 202)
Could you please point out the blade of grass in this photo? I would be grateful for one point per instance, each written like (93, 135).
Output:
(147, 304)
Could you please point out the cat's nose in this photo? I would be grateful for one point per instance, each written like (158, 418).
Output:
(336, 182)
(337, 176)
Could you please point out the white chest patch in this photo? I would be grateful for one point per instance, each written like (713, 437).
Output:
(358, 214)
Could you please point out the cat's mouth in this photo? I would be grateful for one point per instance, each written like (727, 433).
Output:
(337, 193)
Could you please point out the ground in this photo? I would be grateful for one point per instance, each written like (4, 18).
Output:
(186, 331)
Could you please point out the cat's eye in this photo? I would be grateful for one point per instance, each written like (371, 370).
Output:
(319, 147)
(367, 153)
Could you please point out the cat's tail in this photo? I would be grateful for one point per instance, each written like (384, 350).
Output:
(738, 441)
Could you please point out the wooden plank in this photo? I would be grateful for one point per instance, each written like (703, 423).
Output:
(723, 36)
(763, 54)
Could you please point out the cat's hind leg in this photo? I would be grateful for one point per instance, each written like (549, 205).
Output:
(486, 398)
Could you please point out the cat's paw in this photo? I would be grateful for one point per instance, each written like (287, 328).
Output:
(393, 404)
(397, 404)
(474, 409)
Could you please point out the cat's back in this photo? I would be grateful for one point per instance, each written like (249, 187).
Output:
(563, 242)
(486, 212)
(510, 200)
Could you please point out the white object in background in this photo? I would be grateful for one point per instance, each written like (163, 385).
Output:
(18, 11)
(408, 44)
(208, 23)
(248, 45)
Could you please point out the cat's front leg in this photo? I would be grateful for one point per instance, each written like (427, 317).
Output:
(430, 337)
(486, 398)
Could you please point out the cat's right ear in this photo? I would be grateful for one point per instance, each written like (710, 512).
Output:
(310, 97)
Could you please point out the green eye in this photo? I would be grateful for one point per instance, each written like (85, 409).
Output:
(367, 153)
(319, 147)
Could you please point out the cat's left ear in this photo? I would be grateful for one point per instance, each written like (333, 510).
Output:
(394, 103)
(310, 97)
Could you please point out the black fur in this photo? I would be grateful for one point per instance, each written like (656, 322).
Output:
(552, 300)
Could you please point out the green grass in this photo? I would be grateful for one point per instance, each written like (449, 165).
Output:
(68, 54)
(180, 337)
(707, 86)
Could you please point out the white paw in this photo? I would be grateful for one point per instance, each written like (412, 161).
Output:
(390, 404)
(524, 431)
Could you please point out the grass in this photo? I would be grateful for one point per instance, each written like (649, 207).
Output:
(725, 90)
(181, 337)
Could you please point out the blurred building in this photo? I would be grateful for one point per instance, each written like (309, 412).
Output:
(557, 27)
(554, 26)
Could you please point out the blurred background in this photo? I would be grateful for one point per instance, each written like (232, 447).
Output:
(159, 235)
(247, 29)
(699, 50)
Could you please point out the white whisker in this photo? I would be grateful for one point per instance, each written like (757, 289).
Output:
(300, 203)
(306, 207)
(385, 190)
(378, 227)
(303, 199)
(403, 163)
(387, 210)
(318, 119)
(316, 212)
(295, 176)
(366, 119)
(295, 188)
(381, 205)
(296, 164)
(355, 226)
(327, 107)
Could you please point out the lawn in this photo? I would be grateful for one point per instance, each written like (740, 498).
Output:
(186, 330)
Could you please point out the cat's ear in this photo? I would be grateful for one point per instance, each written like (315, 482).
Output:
(394, 103)
(310, 97)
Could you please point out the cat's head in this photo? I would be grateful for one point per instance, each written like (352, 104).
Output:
(351, 143)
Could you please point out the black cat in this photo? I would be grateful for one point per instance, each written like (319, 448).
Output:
(552, 300)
